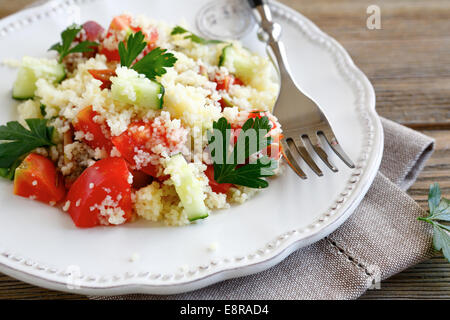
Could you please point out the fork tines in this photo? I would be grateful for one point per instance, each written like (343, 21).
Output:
(296, 145)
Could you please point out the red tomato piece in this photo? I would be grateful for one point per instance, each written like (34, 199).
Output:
(151, 40)
(132, 142)
(260, 114)
(238, 82)
(104, 76)
(215, 186)
(111, 55)
(96, 134)
(101, 195)
(121, 22)
(274, 151)
(225, 82)
(36, 178)
(256, 114)
(93, 30)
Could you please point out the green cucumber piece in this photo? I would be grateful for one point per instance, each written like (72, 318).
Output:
(33, 69)
(188, 188)
(132, 88)
(239, 61)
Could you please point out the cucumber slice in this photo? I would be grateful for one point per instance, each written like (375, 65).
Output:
(33, 69)
(133, 88)
(240, 62)
(188, 187)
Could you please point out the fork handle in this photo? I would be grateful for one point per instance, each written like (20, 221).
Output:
(272, 35)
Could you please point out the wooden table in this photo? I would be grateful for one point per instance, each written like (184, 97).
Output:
(408, 62)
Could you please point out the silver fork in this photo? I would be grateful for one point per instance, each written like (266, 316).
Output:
(302, 119)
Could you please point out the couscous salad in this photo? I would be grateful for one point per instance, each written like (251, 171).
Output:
(143, 119)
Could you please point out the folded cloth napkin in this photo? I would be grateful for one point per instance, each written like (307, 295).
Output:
(380, 239)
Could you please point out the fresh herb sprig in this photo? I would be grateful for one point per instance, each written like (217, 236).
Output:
(17, 142)
(155, 63)
(65, 48)
(152, 65)
(439, 213)
(193, 37)
(228, 168)
(135, 45)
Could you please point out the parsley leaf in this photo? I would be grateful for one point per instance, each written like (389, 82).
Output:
(67, 37)
(234, 167)
(153, 64)
(441, 239)
(19, 141)
(135, 45)
(439, 212)
(193, 37)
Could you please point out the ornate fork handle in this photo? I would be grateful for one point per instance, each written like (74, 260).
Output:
(303, 121)
(271, 35)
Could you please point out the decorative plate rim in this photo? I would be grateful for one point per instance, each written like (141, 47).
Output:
(275, 250)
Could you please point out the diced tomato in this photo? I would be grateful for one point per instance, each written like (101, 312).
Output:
(225, 82)
(93, 30)
(118, 23)
(256, 114)
(260, 114)
(274, 151)
(101, 195)
(111, 55)
(235, 134)
(215, 186)
(151, 40)
(137, 143)
(36, 178)
(238, 82)
(133, 141)
(121, 22)
(96, 134)
(104, 76)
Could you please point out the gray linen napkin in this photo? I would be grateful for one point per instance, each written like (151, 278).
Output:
(380, 239)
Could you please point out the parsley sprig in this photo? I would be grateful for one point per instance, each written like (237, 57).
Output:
(439, 213)
(152, 65)
(135, 45)
(65, 48)
(17, 141)
(228, 167)
(193, 37)
(155, 63)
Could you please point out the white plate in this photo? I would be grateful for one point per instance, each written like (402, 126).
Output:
(41, 245)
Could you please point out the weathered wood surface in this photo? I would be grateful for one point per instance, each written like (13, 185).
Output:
(408, 62)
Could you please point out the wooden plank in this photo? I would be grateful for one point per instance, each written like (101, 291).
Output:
(9, 7)
(14, 289)
(428, 280)
(408, 61)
